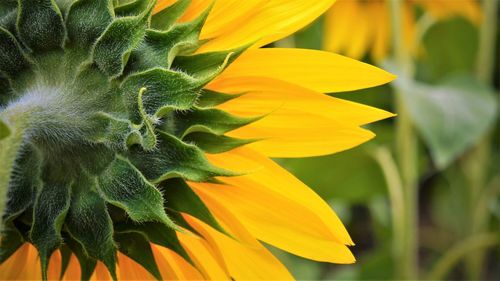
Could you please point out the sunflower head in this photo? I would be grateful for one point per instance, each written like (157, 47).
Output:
(100, 104)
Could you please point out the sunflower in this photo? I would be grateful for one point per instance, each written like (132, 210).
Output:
(358, 27)
(135, 138)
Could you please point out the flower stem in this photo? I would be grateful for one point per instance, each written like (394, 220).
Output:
(476, 163)
(406, 153)
(461, 250)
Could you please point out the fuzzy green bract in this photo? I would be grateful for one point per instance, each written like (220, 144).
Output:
(103, 119)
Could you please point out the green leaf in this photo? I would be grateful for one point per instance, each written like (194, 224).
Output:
(164, 19)
(125, 187)
(51, 206)
(87, 264)
(156, 233)
(113, 47)
(40, 24)
(12, 59)
(209, 98)
(448, 51)
(165, 90)
(86, 21)
(181, 198)
(214, 144)
(136, 246)
(173, 158)
(207, 120)
(88, 222)
(450, 116)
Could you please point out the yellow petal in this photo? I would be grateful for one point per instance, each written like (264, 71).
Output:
(73, 271)
(24, 264)
(244, 262)
(54, 269)
(277, 208)
(316, 70)
(128, 269)
(275, 19)
(162, 4)
(176, 265)
(266, 95)
(203, 256)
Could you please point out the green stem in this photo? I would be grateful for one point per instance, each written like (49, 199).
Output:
(461, 250)
(406, 152)
(396, 196)
(477, 162)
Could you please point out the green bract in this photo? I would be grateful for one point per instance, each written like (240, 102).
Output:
(103, 117)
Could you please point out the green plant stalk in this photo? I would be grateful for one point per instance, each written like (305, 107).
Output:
(461, 250)
(396, 197)
(406, 153)
(476, 163)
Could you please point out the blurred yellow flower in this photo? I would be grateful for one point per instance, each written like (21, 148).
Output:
(358, 27)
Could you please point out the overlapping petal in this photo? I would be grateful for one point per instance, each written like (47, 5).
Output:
(244, 262)
(277, 208)
(316, 70)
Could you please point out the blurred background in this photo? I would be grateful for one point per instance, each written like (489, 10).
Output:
(422, 200)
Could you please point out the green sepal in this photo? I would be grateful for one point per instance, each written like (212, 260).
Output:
(181, 198)
(148, 129)
(86, 21)
(12, 58)
(164, 19)
(6, 7)
(8, 17)
(156, 233)
(89, 223)
(11, 241)
(51, 206)
(125, 187)
(24, 183)
(180, 221)
(137, 247)
(132, 8)
(113, 47)
(209, 98)
(4, 130)
(65, 259)
(214, 144)
(40, 25)
(174, 158)
(207, 120)
(205, 64)
(166, 90)
(115, 132)
(87, 264)
(181, 38)
(10, 145)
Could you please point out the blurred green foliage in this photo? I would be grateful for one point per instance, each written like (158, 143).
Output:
(456, 118)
